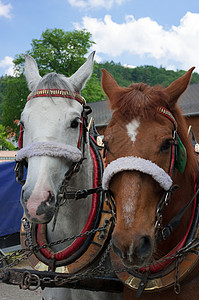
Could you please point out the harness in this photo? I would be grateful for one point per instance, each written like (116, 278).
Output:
(91, 241)
(172, 268)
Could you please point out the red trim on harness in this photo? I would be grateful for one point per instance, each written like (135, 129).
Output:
(172, 160)
(79, 241)
(161, 265)
(60, 93)
(20, 140)
(165, 112)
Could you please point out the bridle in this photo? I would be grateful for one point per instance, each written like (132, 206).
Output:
(51, 148)
(76, 155)
(164, 179)
(139, 278)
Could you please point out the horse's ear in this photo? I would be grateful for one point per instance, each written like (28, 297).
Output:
(80, 77)
(31, 72)
(109, 84)
(177, 88)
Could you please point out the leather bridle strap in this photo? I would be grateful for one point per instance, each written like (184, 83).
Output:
(168, 229)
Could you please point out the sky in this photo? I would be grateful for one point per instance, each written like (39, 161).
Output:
(130, 32)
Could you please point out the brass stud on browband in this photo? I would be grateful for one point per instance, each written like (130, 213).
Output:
(167, 114)
(58, 93)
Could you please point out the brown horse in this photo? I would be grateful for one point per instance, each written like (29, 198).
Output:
(151, 174)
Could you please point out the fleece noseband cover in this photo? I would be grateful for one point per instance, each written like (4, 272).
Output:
(131, 163)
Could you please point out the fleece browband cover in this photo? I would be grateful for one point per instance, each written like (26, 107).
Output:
(131, 163)
(51, 149)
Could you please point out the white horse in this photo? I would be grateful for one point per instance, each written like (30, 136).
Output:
(51, 125)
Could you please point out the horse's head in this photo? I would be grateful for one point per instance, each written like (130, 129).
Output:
(139, 140)
(51, 122)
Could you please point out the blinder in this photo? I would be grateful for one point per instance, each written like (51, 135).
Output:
(181, 159)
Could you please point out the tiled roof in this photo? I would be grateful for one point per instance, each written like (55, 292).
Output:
(101, 112)
(189, 103)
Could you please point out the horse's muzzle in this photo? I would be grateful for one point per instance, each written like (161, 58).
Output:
(137, 254)
(39, 208)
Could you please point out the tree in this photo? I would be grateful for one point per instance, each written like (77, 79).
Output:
(56, 51)
(13, 101)
(5, 145)
(93, 91)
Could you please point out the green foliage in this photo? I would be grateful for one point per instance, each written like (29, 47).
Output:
(63, 52)
(14, 98)
(93, 91)
(57, 51)
(5, 145)
(147, 74)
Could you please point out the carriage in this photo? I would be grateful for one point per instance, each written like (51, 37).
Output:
(11, 210)
(130, 230)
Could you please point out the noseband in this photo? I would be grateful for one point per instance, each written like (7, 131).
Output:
(51, 149)
(131, 163)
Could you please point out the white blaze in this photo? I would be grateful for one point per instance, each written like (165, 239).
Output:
(129, 210)
(132, 129)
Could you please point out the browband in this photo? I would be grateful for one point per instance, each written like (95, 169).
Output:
(57, 93)
(165, 112)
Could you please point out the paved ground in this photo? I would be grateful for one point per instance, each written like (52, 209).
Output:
(12, 292)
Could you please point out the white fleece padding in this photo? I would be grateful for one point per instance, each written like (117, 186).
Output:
(131, 163)
(51, 149)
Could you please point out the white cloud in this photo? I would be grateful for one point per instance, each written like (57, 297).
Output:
(171, 68)
(95, 3)
(144, 37)
(7, 64)
(5, 10)
(129, 66)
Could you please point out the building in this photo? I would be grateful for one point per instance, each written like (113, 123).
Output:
(7, 156)
(189, 103)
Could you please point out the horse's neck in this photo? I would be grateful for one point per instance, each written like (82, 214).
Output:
(179, 199)
(72, 216)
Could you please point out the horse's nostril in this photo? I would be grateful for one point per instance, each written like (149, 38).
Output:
(50, 196)
(117, 250)
(144, 247)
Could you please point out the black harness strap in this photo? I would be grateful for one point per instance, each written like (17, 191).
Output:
(168, 229)
(80, 194)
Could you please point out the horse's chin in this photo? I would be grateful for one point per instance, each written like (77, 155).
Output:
(136, 263)
(43, 219)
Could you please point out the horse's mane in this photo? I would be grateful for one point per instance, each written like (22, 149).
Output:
(53, 81)
(141, 100)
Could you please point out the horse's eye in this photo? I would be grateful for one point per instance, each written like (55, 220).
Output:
(106, 146)
(166, 145)
(75, 123)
